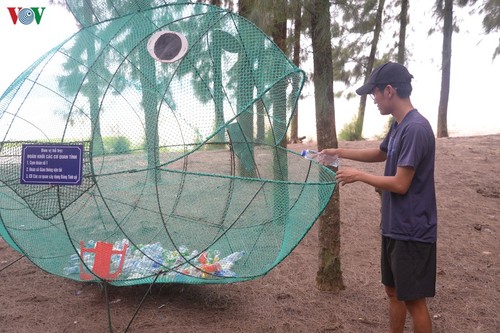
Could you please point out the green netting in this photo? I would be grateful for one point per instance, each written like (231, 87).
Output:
(183, 175)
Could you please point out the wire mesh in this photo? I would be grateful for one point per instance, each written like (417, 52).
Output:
(183, 175)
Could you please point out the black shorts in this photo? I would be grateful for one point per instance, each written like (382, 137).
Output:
(409, 267)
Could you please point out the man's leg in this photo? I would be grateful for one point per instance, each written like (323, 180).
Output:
(397, 311)
(420, 315)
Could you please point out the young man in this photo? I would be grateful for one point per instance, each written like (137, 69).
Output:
(409, 214)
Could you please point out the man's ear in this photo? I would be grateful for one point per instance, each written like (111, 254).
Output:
(391, 89)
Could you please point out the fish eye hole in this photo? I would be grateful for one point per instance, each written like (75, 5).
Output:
(167, 46)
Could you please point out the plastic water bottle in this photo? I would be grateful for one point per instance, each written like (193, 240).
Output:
(71, 270)
(330, 160)
(228, 262)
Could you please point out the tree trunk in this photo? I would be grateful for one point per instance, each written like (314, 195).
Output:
(279, 38)
(294, 130)
(245, 96)
(149, 102)
(250, 9)
(403, 22)
(329, 275)
(442, 128)
(278, 97)
(97, 145)
(150, 105)
(369, 68)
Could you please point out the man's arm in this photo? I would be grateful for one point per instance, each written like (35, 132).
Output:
(399, 183)
(361, 155)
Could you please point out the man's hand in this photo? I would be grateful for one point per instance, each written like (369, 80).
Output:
(347, 176)
(327, 156)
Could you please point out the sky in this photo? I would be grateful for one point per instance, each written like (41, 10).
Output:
(472, 110)
(23, 44)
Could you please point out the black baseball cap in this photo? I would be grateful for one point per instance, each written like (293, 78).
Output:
(389, 73)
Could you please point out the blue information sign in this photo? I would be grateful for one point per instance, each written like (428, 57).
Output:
(51, 164)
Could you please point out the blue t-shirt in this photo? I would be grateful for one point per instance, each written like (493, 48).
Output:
(411, 216)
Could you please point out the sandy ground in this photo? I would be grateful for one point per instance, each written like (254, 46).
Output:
(286, 300)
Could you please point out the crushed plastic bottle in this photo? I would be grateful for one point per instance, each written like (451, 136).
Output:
(71, 270)
(228, 262)
(330, 160)
(150, 259)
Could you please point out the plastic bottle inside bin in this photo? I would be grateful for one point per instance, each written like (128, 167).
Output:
(330, 160)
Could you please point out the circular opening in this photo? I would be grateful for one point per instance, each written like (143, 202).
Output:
(167, 46)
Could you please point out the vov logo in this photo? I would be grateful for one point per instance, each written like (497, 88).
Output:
(26, 15)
